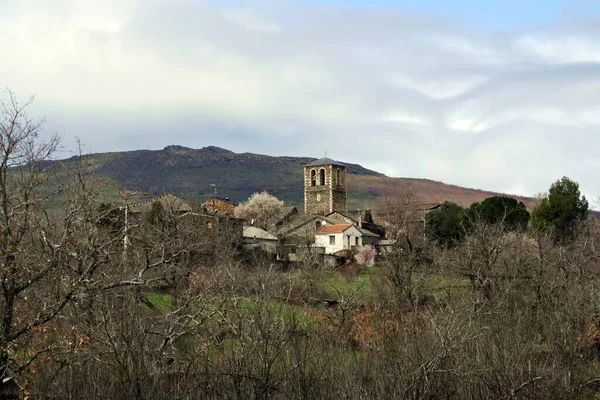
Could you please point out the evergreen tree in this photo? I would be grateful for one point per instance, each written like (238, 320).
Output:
(444, 224)
(496, 209)
(561, 210)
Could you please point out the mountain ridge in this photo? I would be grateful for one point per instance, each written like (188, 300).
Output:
(196, 173)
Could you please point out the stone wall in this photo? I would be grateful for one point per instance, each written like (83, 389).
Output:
(323, 199)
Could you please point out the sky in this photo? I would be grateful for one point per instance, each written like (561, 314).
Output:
(495, 95)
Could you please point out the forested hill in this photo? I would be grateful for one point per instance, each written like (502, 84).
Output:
(191, 173)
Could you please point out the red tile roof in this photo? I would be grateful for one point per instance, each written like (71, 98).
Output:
(333, 228)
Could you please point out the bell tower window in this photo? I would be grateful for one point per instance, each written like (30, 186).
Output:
(324, 187)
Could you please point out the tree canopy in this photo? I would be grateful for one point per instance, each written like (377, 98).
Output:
(262, 210)
(496, 209)
(444, 224)
(561, 210)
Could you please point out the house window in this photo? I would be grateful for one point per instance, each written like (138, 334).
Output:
(317, 224)
(331, 239)
(322, 176)
(313, 177)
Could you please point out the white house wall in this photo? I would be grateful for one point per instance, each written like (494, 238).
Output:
(343, 240)
(322, 240)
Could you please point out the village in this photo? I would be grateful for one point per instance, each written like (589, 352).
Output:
(324, 227)
(170, 231)
(169, 299)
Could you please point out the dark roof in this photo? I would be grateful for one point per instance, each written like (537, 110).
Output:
(254, 232)
(342, 214)
(288, 213)
(287, 210)
(367, 232)
(325, 161)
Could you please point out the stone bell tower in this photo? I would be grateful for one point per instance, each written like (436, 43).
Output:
(324, 187)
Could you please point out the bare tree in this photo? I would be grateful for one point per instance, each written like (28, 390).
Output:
(22, 229)
(50, 258)
(403, 221)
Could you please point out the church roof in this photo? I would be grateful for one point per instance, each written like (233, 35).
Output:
(325, 161)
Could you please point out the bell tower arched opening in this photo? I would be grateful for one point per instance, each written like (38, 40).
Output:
(324, 187)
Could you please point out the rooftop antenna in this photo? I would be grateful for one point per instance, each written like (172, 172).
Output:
(215, 186)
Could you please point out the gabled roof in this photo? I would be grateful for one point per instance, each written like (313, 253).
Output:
(254, 232)
(287, 210)
(366, 232)
(413, 206)
(312, 220)
(342, 214)
(325, 161)
(331, 220)
(333, 228)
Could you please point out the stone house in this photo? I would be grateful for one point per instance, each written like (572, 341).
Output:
(219, 205)
(217, 224)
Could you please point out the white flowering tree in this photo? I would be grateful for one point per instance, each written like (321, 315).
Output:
(262, 210)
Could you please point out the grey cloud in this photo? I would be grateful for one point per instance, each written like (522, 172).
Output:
(406, 94)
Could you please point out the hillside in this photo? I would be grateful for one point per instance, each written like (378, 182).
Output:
(195, 173)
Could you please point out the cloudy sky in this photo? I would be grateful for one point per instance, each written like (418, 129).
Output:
(498, 95)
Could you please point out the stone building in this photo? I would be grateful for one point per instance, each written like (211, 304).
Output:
(218, 205)
(324, 187)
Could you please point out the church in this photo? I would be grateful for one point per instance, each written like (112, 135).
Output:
(325, 226)
(324, 187)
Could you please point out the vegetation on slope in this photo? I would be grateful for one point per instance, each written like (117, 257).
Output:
(195, 173)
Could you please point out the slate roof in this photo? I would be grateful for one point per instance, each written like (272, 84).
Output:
(367, 232)
(254, 232)
(325, 161)
(333, 228)
(287, 210)
(343, 215)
